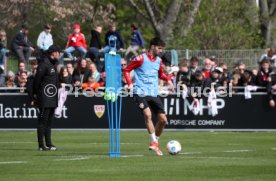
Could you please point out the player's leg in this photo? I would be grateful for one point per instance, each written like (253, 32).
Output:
(148, 120)
(162, 121)
(158, 108)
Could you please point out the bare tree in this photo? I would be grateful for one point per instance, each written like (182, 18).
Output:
(164, 25)
(268, 21)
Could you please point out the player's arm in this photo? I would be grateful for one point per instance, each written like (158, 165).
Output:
(164, 77)
(135, 63)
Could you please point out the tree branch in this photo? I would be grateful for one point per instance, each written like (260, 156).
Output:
(190, 20)
(152, 16)
(172, 12)
(133, 4)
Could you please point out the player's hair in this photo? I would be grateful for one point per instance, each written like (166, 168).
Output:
(157, 42)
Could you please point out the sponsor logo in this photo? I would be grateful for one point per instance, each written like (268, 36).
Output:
(99, 110)
(141, 105)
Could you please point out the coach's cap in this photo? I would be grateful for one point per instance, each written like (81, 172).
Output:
(76, 26)
(53, 48)
(218, 70)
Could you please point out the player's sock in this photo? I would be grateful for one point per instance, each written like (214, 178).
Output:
(157, 138)
(153, 137)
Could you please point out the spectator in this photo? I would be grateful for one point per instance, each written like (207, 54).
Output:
(269, 55)
(241, 67)
(193, 66)
(124, 65)
(207, 68)
(30, 80)
(22, 77)
(22, 84)
(44, 40)
(94, 72)
(271, 88)
(225, 76)
(137, 41)
(183, 77)
(34, 64)
(76, 41)
(235, 80)
(70, 68)
(247, 78)
(263, 74)
(3, 46)
(198, 79)
(91, 85)
(10, 82)
(81, 73)
(113, 39)
(21, 69)
(96, 46)
(196, 84)
(21, 45)
(102, 80)
(2, 78)
(65, 77)
(214, 61)
(214, 78)
(77, 81)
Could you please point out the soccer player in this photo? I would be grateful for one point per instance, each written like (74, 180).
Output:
(147, 69)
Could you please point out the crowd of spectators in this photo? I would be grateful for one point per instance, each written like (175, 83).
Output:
(85, 68)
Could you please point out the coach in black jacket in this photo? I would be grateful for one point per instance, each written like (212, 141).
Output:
(46, 94)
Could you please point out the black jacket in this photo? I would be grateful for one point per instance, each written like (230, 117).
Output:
(184, 77)
(270, 84)
(261, 78)
(83, 74)
(46, 84)
(20, 39)
(95, 40)
(209, 81)
(119, 41)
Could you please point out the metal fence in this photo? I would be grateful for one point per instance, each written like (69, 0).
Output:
(230, 57)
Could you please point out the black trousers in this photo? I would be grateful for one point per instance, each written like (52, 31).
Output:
(45, 119)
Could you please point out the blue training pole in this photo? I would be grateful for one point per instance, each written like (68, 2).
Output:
(114, 106)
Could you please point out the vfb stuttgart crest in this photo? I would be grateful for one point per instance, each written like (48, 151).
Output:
(99, 110)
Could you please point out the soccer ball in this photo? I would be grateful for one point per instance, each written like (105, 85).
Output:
(173, 147)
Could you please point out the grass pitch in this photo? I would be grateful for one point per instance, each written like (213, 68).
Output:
(82, 156)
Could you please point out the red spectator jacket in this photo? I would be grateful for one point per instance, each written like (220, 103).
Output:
(76, 40)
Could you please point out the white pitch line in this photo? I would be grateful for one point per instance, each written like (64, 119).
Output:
(16, 142)
(236, 151)
(13, 162)
(273, 148)
(95, 143)
(73, 159)
(212, 157)
(190, 153)
(127, 156)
